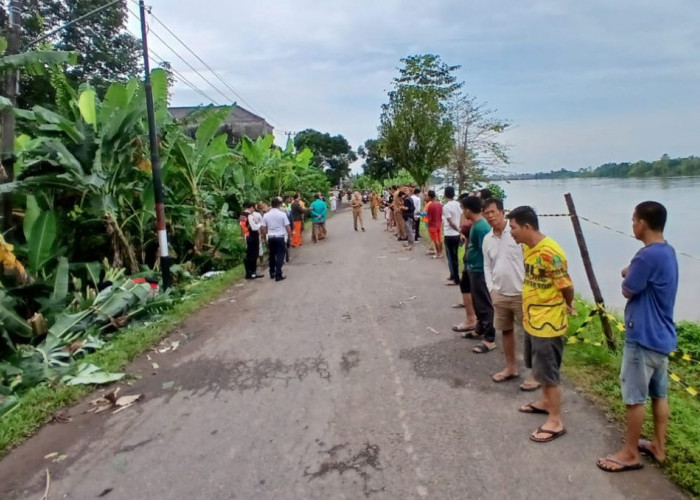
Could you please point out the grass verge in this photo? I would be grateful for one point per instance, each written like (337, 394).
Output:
(595, 371)
(40, 403)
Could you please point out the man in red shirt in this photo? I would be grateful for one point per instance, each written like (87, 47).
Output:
(435, 223)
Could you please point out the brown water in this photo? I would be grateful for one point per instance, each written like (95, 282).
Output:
(611, 202)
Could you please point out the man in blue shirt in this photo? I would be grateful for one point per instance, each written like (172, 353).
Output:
(649, 283)
(318, 217)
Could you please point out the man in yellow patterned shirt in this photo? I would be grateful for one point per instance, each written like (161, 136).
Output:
(548, 295)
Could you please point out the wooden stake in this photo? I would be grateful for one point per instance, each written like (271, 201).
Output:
(588, 266)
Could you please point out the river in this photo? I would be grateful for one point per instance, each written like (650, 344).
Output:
(611, 202)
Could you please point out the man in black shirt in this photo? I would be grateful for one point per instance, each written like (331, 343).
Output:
(252, 241)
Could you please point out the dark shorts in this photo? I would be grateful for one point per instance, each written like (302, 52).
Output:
(464, 284)
(547, 354)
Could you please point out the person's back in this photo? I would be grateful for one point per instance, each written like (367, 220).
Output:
(318, 210)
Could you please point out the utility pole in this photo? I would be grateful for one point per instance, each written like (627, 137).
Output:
(7, 125)
(155, 157)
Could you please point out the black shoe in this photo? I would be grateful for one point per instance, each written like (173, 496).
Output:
(355, 229)
(363, 229)
(256, 276)
(281, 278)
(272, 277)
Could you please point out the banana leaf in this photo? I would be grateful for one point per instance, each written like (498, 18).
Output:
(60, 286)
(31, 214)
(88, 374)
(41, 241)
(10, 319)
(7, 404)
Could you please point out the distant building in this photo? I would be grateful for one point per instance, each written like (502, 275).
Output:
(239, 123)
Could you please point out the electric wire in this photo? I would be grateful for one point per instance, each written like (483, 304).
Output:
(151, 31)
(211, 70)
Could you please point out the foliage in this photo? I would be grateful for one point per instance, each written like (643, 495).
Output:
(415, 128)
(477, 146)
(663, 167)
(377, 166)
(402, 178)
(365, 182)
(107, 51)
(497, 191)
(331, 154)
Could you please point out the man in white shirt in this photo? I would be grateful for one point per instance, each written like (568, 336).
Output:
(451, 214)
(417, 210)
(275, 227)
(504, 270)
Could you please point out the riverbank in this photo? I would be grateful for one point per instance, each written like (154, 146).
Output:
(595, 371)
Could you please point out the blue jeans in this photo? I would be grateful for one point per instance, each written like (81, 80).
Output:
(644, 374)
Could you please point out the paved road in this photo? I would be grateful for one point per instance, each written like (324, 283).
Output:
(327, 386)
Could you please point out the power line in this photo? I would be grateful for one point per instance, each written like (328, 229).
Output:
(228, 99)
(226, 84)
(183, 78)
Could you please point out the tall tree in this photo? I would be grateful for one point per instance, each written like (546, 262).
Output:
(332, 154)
(107, 51)
(477, 141)
(415, 127)
(376, 166)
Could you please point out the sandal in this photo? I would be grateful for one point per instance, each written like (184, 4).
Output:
(472, 335)
(529, 388)
(623, 467)
(531, 408)
(483, 348)
(644, 448)
(458, 306)
(552, 436)
(499, 377)
(463, 329)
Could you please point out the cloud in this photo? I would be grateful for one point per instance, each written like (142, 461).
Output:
(591, 81)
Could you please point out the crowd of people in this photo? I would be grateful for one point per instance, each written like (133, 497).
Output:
(279, 227)
(515, 278)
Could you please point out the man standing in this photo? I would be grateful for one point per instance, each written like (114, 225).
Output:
(276, 227)
(504, 271)
(548, 295)
(451, 213)
(407, 214)
(398, 215)
(650, 284)
(357, 205)
(297, 220)
(416, 217)
(318, 218)
(252, 226)
(474, 268)
(374, 204)
(434, 214)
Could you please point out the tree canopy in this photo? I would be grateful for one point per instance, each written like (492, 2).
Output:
(332, 154)
(415, 128)
(377, 166)
(107, 52)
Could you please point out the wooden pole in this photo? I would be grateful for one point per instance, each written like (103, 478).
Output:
(7, 120)
(588, 266)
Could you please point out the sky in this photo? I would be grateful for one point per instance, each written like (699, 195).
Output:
(582, 82)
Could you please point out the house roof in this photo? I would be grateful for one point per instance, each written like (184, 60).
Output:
(238, 114)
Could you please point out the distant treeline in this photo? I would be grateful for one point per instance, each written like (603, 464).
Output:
(663, 167)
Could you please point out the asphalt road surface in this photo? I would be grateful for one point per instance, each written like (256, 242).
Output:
(342, 382)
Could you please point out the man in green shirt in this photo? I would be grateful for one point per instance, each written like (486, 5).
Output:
(474, 262)
(318, 217)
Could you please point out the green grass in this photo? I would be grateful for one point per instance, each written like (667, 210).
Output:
(40, 403)
(595, 371)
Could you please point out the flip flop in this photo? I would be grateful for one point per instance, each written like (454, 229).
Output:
(552, 435)
(460, 329)
(483, 349)
(531, 408)
(643, 447)
(457, 306)
(508, 377)
(623, 467)
(451, 283)
(531, 388)
(472, 335)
